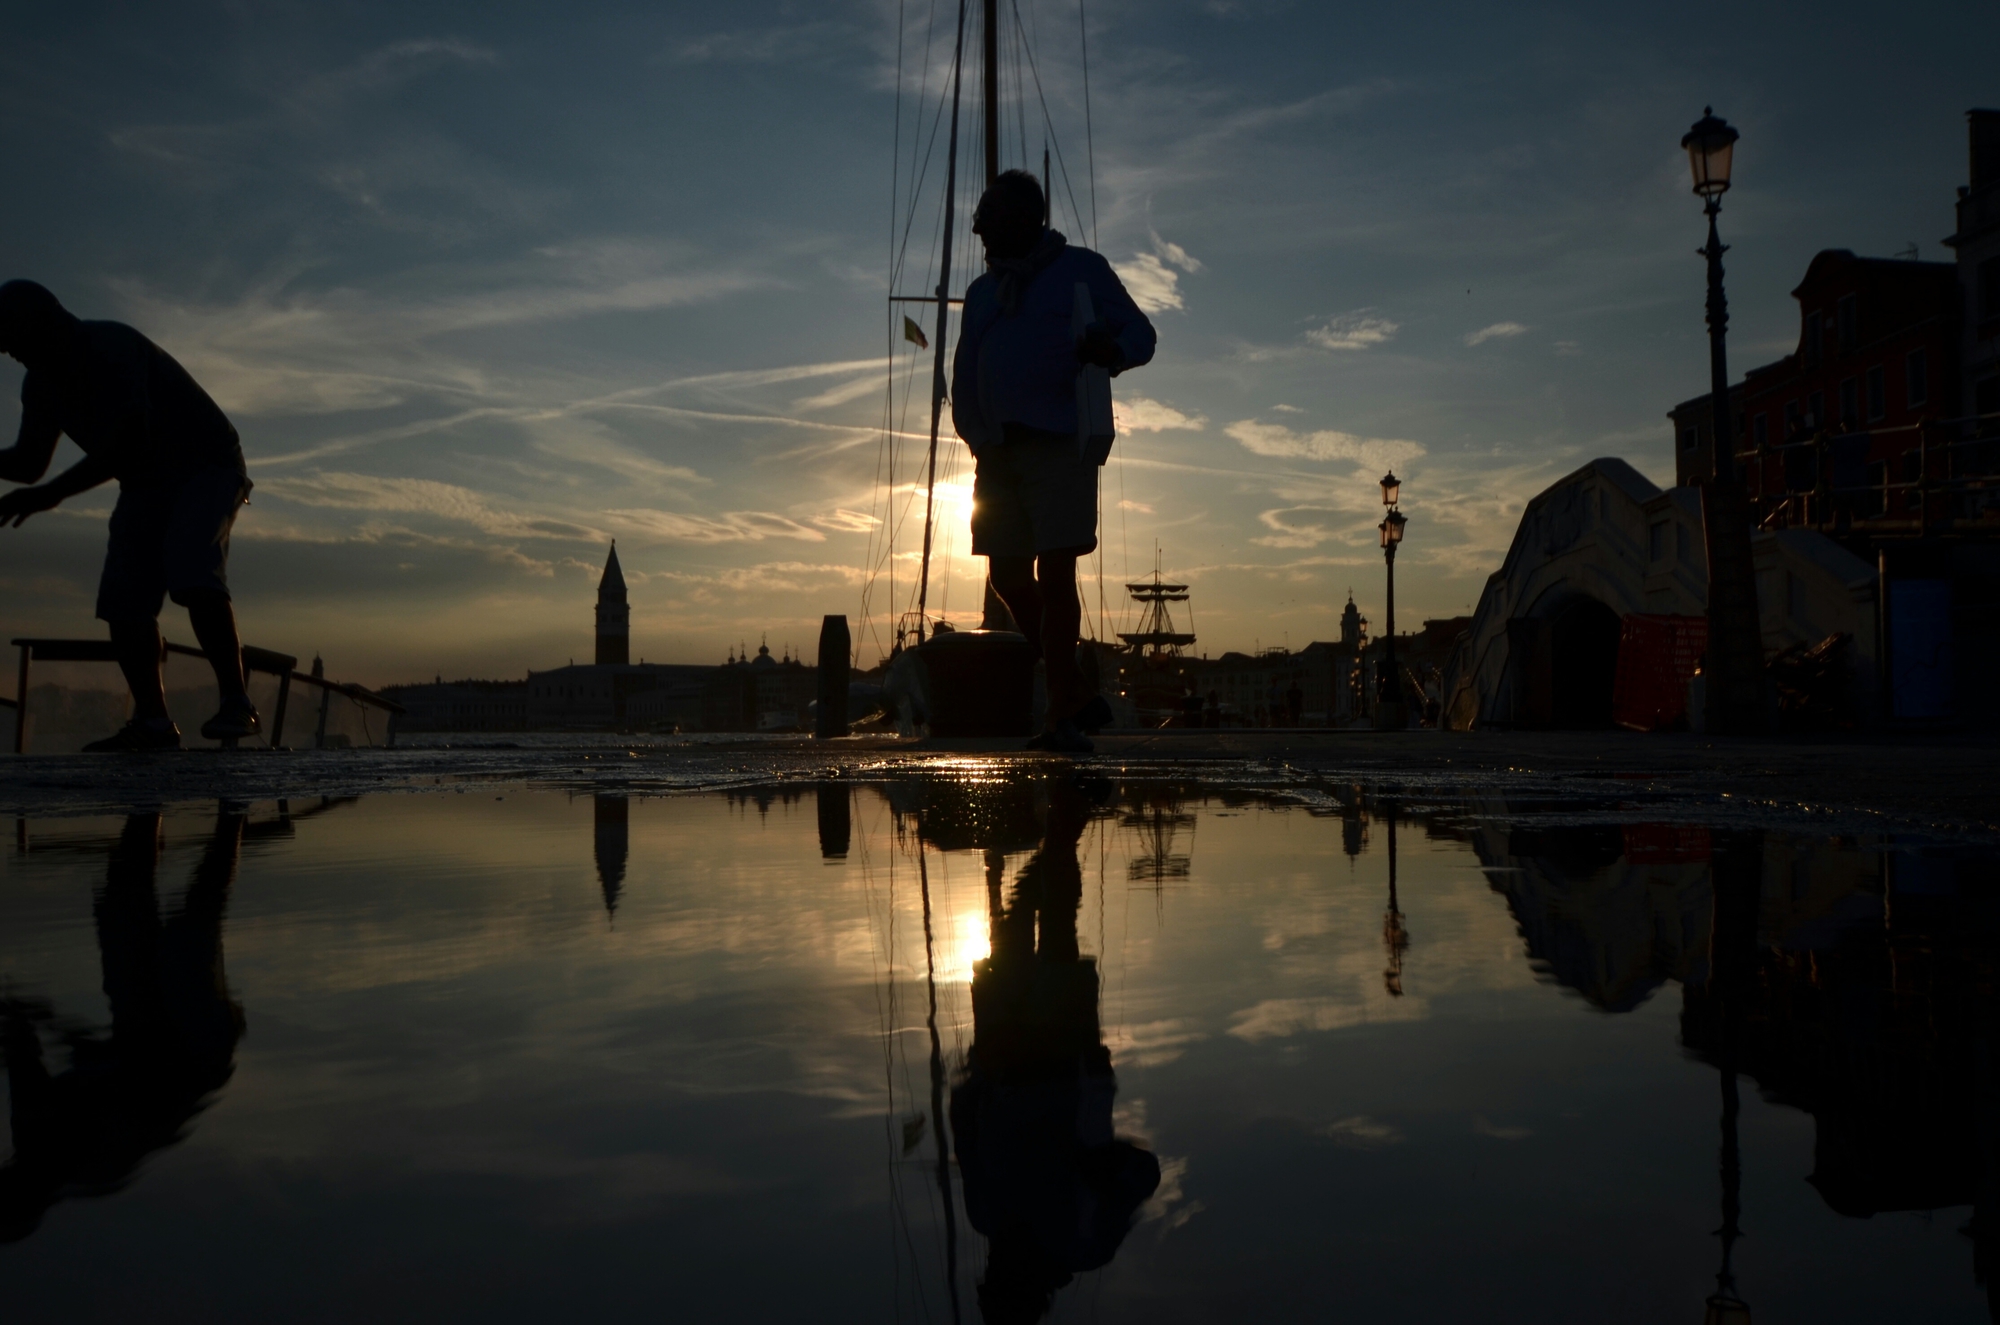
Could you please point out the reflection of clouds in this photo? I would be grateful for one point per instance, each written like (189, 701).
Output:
(1150, 1044)
(1363, 1131)
(1169, 1206)
(1277, 1018)
(1484, 1128)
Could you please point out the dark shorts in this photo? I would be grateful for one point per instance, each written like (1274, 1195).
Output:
(1032, 494)
(169, 538)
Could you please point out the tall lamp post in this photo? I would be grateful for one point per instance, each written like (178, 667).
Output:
(1389, 714)
(1735, 667)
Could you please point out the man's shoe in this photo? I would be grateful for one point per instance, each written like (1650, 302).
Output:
(137, 736)
(235, 722)
(1094, 716)
(1063, 739)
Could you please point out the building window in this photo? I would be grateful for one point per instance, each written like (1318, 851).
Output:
(1660, 534)
(1878, 394)
(1875, 502)
(1791, 419)
(1850, 402)
(1916, 378)
(1760, 430)
(1810, 341)
(1815, 411)
(1690, 438)
(1847, 333)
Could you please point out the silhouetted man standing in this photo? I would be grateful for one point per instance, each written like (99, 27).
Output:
(1014, 401)
(139, 418)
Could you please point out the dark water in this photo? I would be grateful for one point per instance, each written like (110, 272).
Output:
(986, 1046)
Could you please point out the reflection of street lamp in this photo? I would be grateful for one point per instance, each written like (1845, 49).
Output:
(1735, 669)
(1389, 704)
(1395, 938)
(1736, 883)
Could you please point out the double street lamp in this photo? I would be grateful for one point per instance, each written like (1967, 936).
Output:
(1735, 666)
(1389, 704)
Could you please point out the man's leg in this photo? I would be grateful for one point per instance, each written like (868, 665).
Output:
(1062, 619)
(214, 622)
(1014, 580)
(137, 641)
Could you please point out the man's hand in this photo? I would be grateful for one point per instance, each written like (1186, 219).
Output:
(1099, 346)
(21, 503)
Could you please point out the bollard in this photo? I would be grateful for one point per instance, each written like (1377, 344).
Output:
(833, 647)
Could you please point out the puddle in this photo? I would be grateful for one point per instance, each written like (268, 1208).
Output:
(985, 1043)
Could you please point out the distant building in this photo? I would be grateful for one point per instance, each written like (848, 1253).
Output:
(615, 694)
(1878, 356)
(462, 706)
(1867, 429)
(614, 615)
(1977, 246)
(1332, 682)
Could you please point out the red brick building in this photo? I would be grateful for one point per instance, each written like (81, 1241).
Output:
(1835, 432)
(1884, 423)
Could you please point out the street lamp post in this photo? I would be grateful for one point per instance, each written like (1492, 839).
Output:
(1735, 666)
(1389, 714)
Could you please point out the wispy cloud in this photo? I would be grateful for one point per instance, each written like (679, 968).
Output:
(412, 496)
(1498, 331)
(1153, 279)
(723, 527)
(1362, 330)
(761, 45)
(1138, 414)
(1274, 439)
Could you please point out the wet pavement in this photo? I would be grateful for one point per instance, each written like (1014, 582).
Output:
(765, 1031)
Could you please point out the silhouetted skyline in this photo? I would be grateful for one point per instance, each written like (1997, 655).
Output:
(483, 289)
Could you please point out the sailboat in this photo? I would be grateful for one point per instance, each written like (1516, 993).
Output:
(943, 681)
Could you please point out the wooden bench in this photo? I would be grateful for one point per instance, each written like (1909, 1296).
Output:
(281, 665)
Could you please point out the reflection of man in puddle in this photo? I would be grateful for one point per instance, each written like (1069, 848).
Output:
(174, 1028)
(1046, 1182)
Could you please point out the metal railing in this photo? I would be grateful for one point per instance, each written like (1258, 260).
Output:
(1813, 506)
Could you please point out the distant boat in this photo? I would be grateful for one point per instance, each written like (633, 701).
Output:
(1152, 676)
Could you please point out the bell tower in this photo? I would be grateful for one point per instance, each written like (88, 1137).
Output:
(614, 615)
(1350, 623)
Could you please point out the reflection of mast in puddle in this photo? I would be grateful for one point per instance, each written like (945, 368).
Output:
(937, 1090)
(1159, 822)
(1395, 938)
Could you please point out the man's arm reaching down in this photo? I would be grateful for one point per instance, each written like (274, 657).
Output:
(28, 458)
(85, 474)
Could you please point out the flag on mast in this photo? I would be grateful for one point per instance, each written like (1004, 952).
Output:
(915, 334)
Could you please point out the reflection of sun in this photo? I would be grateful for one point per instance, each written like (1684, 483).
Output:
(969, 943)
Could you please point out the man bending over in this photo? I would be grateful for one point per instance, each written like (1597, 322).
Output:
(139, 418)
(1014, 401)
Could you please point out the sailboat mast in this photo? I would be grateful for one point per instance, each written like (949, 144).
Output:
(992, 90)
(943, 313)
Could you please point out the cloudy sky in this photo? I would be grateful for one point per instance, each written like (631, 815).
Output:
(485, 286)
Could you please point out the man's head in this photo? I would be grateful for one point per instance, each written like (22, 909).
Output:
(33, 323)
(1009, 216)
